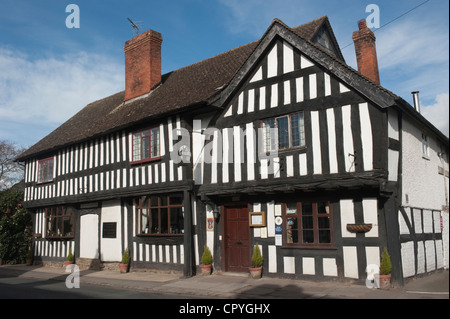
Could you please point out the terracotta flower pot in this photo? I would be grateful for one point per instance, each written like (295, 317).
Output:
(384, 281)
(206, 270)
(67, 263)
(123, 268)
(255, 272)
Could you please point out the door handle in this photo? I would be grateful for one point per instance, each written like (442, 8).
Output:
(239, 243)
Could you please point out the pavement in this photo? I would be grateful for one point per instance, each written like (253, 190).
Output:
(240, 286)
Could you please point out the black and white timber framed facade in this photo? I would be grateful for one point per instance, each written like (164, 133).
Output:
(344, 177)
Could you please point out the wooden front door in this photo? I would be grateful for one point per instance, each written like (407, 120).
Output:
(237, 239)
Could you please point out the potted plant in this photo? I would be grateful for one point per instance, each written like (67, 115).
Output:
(257, 261)
(123, 266)
(29, 258)
(206, 261)
(69, 260)
(384, 277)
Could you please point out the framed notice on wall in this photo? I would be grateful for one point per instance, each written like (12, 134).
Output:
(257, 219)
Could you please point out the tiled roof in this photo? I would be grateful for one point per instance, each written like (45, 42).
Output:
(188, 86)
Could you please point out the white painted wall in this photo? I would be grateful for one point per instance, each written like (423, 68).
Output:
(111, 248)
(89, 236)
(421, 182)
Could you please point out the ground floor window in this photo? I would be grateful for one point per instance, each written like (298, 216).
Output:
(307, 224)
(160, 214)
(60, 222)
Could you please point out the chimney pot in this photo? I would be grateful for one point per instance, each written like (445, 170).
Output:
(142, 64)
(366, 52)
(362, 24)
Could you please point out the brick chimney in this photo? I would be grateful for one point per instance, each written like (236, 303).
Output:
(142, 64)
(366, 52)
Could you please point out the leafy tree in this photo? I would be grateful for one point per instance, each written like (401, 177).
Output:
(15, 228)
(10, 171)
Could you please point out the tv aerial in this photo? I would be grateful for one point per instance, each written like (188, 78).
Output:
(136, 27)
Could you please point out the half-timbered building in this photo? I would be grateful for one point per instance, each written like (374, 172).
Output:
(277, 143)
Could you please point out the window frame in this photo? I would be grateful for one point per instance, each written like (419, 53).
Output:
(139, 215)
(52, 221)
(316, 228)
(150, 158)
(50, 171)
(301, 130)
(425, 146)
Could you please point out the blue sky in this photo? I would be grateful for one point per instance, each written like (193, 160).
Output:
(49, 72)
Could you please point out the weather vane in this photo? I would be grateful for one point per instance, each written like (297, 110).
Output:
(135, 26)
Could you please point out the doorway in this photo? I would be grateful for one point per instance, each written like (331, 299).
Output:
(236, 239)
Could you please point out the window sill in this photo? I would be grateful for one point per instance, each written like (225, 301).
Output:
(309, 247)
(43, 183)
(159, 235)
(155, 159)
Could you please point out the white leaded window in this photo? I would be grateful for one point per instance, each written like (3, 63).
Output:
(45, 170)
(284, 132)
(146, 145)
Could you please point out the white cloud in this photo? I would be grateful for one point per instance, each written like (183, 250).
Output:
(438, 113)
(52, 90)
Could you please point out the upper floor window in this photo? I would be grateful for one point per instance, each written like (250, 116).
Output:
(146, 145)
(60, 222)
(284, 132)
(425, 146)
(45, 170)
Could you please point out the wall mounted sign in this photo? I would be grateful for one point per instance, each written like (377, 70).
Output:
(278, 220)
(210, 224)
(257, 219)
(109, 230)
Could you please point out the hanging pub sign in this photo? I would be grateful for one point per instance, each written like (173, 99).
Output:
(257, 219)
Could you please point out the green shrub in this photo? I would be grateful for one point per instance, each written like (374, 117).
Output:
(386, 266)
(207, 256)
(70, 255)
(257, 259)
(126, 257)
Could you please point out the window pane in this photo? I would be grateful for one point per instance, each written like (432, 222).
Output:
(324, 222)
(307, 209)
(291, 208)
(176, 199)
(323, 208)
(145, 221)
(137, 147)
(176, 220)
(50, 169)
(155, 142)
(67, 226)
(324, 237)
(164, 221)
(145, 147)
(163, 201)
(292, 232)
(307, 222)
(308, 236)
(154, 229)
(269, 135)
(283, 132)
(154, 201)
